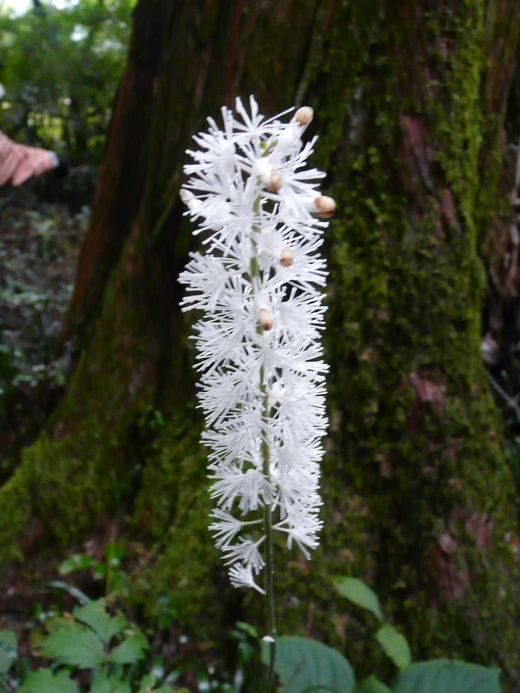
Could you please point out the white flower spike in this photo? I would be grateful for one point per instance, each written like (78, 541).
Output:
(259, 283)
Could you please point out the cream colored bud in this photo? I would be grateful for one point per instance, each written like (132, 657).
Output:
(275, 181)
(265, 319)
(271, 179)
(325, 206)
(304, 115)
(286, 257)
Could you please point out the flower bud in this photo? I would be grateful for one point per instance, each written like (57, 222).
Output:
(189, 199)
(286, 257)
(303, 116)
(322, 205)
(265, 319)
(275, 181)
(271, 179)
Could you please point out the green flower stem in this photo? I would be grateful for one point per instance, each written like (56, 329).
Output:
(268, 519)
(269, 563)
(269, 592)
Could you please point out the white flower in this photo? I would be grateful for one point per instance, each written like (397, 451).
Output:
(242, 576)
(259, 283)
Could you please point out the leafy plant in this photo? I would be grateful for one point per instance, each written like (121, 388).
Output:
(304, 665)
(92, 640)
(109, 570)
(8, 655)
(393, 643)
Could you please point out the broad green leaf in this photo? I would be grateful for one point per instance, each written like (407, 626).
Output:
(8, 650)
(95, 615)
(79, 561)
(74, 644)
(359, 593)
(130, 650)
(395, 646)
(303, 664)
(373, 685)
(44, 681)
(452, 676)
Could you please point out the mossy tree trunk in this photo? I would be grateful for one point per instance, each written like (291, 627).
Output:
(418, 500)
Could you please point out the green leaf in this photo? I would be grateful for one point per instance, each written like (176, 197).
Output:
(122, 687)
(8, 639)
(454, 676)
(79, 561)
(248, 629)
(359, 593)
(74, 644)
(101, 684)
(131, 650)
(147, 683)
(119, 686)
(395, 646)
(303, 664)
(373, 685)
(102, 623)
(44, 681)
(114, 552)
(105, 683)
(147, 686)
(73, 591)
(8, 650)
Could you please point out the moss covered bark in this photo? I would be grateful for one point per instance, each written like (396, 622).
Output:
(417, 494)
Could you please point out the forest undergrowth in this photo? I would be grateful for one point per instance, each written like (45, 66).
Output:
(39, 244)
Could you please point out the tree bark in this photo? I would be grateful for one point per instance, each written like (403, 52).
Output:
(410, 100)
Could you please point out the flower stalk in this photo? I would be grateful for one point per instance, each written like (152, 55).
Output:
(260, 287)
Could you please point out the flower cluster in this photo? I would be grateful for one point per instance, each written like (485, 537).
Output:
(262, 384)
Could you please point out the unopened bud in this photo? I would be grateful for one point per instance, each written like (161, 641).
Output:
(286, 257)
(275, 181)
(325, 206)
(271, 179)
(265, 319)
(189, 199)
(304, 115)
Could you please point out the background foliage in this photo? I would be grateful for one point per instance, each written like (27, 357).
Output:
(60, 69)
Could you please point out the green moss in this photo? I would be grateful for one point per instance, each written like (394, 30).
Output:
(188, 575)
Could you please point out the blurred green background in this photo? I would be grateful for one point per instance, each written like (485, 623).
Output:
(60, 64)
